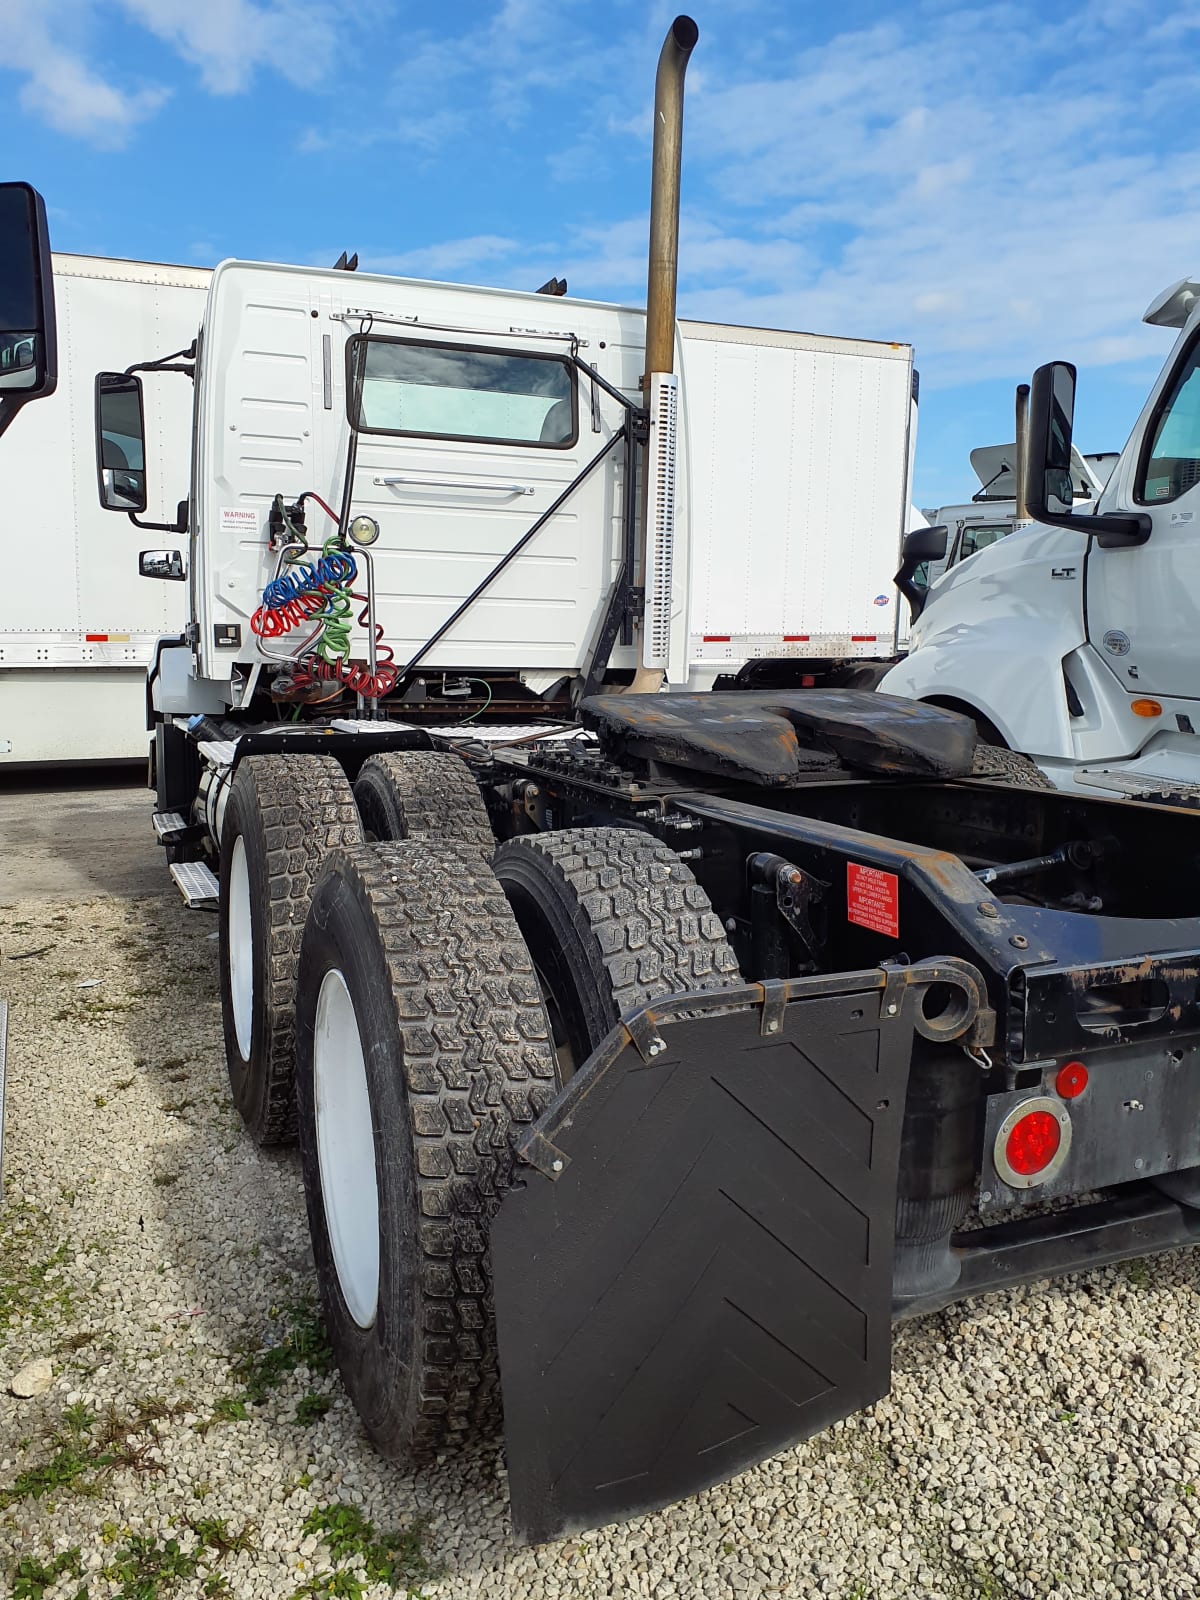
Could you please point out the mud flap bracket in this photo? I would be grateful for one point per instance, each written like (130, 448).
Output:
(707, 1278)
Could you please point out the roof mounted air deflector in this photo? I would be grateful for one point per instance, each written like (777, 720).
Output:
(1173, 306)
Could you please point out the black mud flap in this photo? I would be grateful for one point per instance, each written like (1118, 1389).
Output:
(697, 1271)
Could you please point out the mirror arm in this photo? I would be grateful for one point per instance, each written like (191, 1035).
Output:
(9, 406)
(1110, 529)
(916, 597)
(160, 366)
(175, 362)
(178, 526)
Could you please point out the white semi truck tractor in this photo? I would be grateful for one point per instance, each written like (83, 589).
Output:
(649, 1030)
(1077, 639)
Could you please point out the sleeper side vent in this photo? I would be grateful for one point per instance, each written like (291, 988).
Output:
(660, 513)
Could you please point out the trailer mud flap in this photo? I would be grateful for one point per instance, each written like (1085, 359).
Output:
(697, 1270)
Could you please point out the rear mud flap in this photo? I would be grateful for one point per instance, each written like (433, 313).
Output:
(697, 1271)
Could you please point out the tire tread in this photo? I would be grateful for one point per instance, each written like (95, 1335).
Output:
(652, 924)
(434, 794)
(478, 1066)
(1008, 766)
(305, 808)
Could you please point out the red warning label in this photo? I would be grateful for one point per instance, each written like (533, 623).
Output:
(873, 899)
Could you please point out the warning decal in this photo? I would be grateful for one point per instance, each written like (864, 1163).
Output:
(240, 520)
(873, 899)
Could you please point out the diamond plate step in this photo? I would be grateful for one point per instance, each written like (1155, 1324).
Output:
(195, 883)
(1142, 786)
(168, 822)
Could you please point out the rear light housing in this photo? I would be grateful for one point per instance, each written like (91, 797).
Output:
(1032, 1142)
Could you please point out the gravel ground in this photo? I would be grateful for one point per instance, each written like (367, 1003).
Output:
(192, 1442)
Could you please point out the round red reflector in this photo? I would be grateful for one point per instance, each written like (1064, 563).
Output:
(1071, 1080)
(1033, 1143)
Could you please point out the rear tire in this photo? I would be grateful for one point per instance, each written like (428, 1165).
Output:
(283, 814)
(613, 919)
(423, 1046)
(422, 794)
(1006, 766)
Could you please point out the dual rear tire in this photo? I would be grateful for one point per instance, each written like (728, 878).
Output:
(424, 1048)
(393, 1004)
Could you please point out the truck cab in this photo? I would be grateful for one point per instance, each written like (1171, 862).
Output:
(1077, 640)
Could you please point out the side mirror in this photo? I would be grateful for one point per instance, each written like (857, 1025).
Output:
(1048, 481)
(120, 442)
(924, 544)
(1049, 491)
(920, 545)
(28, 341)
(161, 564)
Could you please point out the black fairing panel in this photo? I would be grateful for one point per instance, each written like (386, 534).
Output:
(785, 736)
(707, 1277)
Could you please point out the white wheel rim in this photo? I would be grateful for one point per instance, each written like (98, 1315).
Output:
(241, 949)
(346, 1149)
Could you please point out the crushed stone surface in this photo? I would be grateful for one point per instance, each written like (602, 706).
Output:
(1040, 1442)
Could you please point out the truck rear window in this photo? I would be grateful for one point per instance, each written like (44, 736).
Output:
(447, 391)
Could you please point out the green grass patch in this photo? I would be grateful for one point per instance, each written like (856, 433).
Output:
(28, 1267)
(148, 1568)
(311, 1408)
(84, 1447)
(302, 1343)
(31, 1577)
(229, 1408)
(215, 1534)
(396, 1559)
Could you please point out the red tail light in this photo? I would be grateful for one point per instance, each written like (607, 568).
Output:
(1032, 1142)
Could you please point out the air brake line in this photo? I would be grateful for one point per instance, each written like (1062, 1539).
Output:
(320, 592)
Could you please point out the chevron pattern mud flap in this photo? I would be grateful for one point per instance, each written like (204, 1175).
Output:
(697, 1271)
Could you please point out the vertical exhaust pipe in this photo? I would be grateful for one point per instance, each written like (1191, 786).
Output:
(660, 305)
(664, 195)
(1021, 511)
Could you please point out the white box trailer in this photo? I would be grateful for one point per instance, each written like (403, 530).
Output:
(77, 623)
(798, 459)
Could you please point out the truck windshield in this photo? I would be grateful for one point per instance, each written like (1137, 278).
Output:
(447, 391)
(1173, 463)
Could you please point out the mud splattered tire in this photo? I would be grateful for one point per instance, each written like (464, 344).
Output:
(283, 814)
(423, 1046)
(1006, 766)
(422, 794)
(612, 918)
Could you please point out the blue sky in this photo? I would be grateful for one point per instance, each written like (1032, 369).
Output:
(999, 184)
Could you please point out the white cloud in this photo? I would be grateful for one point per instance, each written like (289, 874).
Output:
(60, 87)
(228, 41)
(445, 260)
